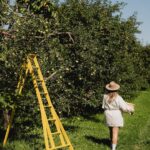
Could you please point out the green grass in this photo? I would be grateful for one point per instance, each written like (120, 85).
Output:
(90, 132)
(17, 145)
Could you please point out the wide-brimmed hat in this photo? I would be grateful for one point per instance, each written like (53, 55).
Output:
(112, 86)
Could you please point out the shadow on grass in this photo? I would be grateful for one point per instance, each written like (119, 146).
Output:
(103, 141)
(93, 119)
(92, 115)
(146, 142)
(71, 128)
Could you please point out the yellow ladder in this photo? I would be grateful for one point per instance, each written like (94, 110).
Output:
(55, 136)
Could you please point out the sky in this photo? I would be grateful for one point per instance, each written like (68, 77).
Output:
(142, 8)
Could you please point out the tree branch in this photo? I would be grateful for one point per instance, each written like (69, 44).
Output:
(61, 33)
(48, 78)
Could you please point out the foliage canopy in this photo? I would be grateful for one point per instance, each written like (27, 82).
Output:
(81, 45)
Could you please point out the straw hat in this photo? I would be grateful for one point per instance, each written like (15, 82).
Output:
(112, 86)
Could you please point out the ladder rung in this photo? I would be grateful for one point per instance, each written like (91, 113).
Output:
(39, 80)
(44, 93)
(36, 79)
(47, 106)
(51, 119)
(21, 83)
(55, 133)
(58, 147)
(34, 67)
(32, 55)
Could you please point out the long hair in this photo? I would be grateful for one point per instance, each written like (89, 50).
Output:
(111, 95)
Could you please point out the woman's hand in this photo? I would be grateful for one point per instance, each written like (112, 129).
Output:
(131, 107)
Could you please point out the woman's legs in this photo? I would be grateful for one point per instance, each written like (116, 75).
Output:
(110, 133)
(114, 136)
(115, 131)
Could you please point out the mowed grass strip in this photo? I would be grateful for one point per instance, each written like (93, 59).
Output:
(135, 133)
(90, 132)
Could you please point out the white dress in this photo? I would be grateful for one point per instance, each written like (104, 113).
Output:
(113, 111)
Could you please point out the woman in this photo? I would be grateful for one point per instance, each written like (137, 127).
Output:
(114, 105)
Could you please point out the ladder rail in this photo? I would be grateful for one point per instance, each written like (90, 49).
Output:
(58, 123)
(9, 126)
(43, 114)
(49, 100)
(20, 86)
(64, 132)
(30, 66)
(22, 78)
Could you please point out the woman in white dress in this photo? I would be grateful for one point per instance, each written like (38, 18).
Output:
(114, 105)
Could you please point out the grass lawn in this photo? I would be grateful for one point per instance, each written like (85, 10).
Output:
(90, 132)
